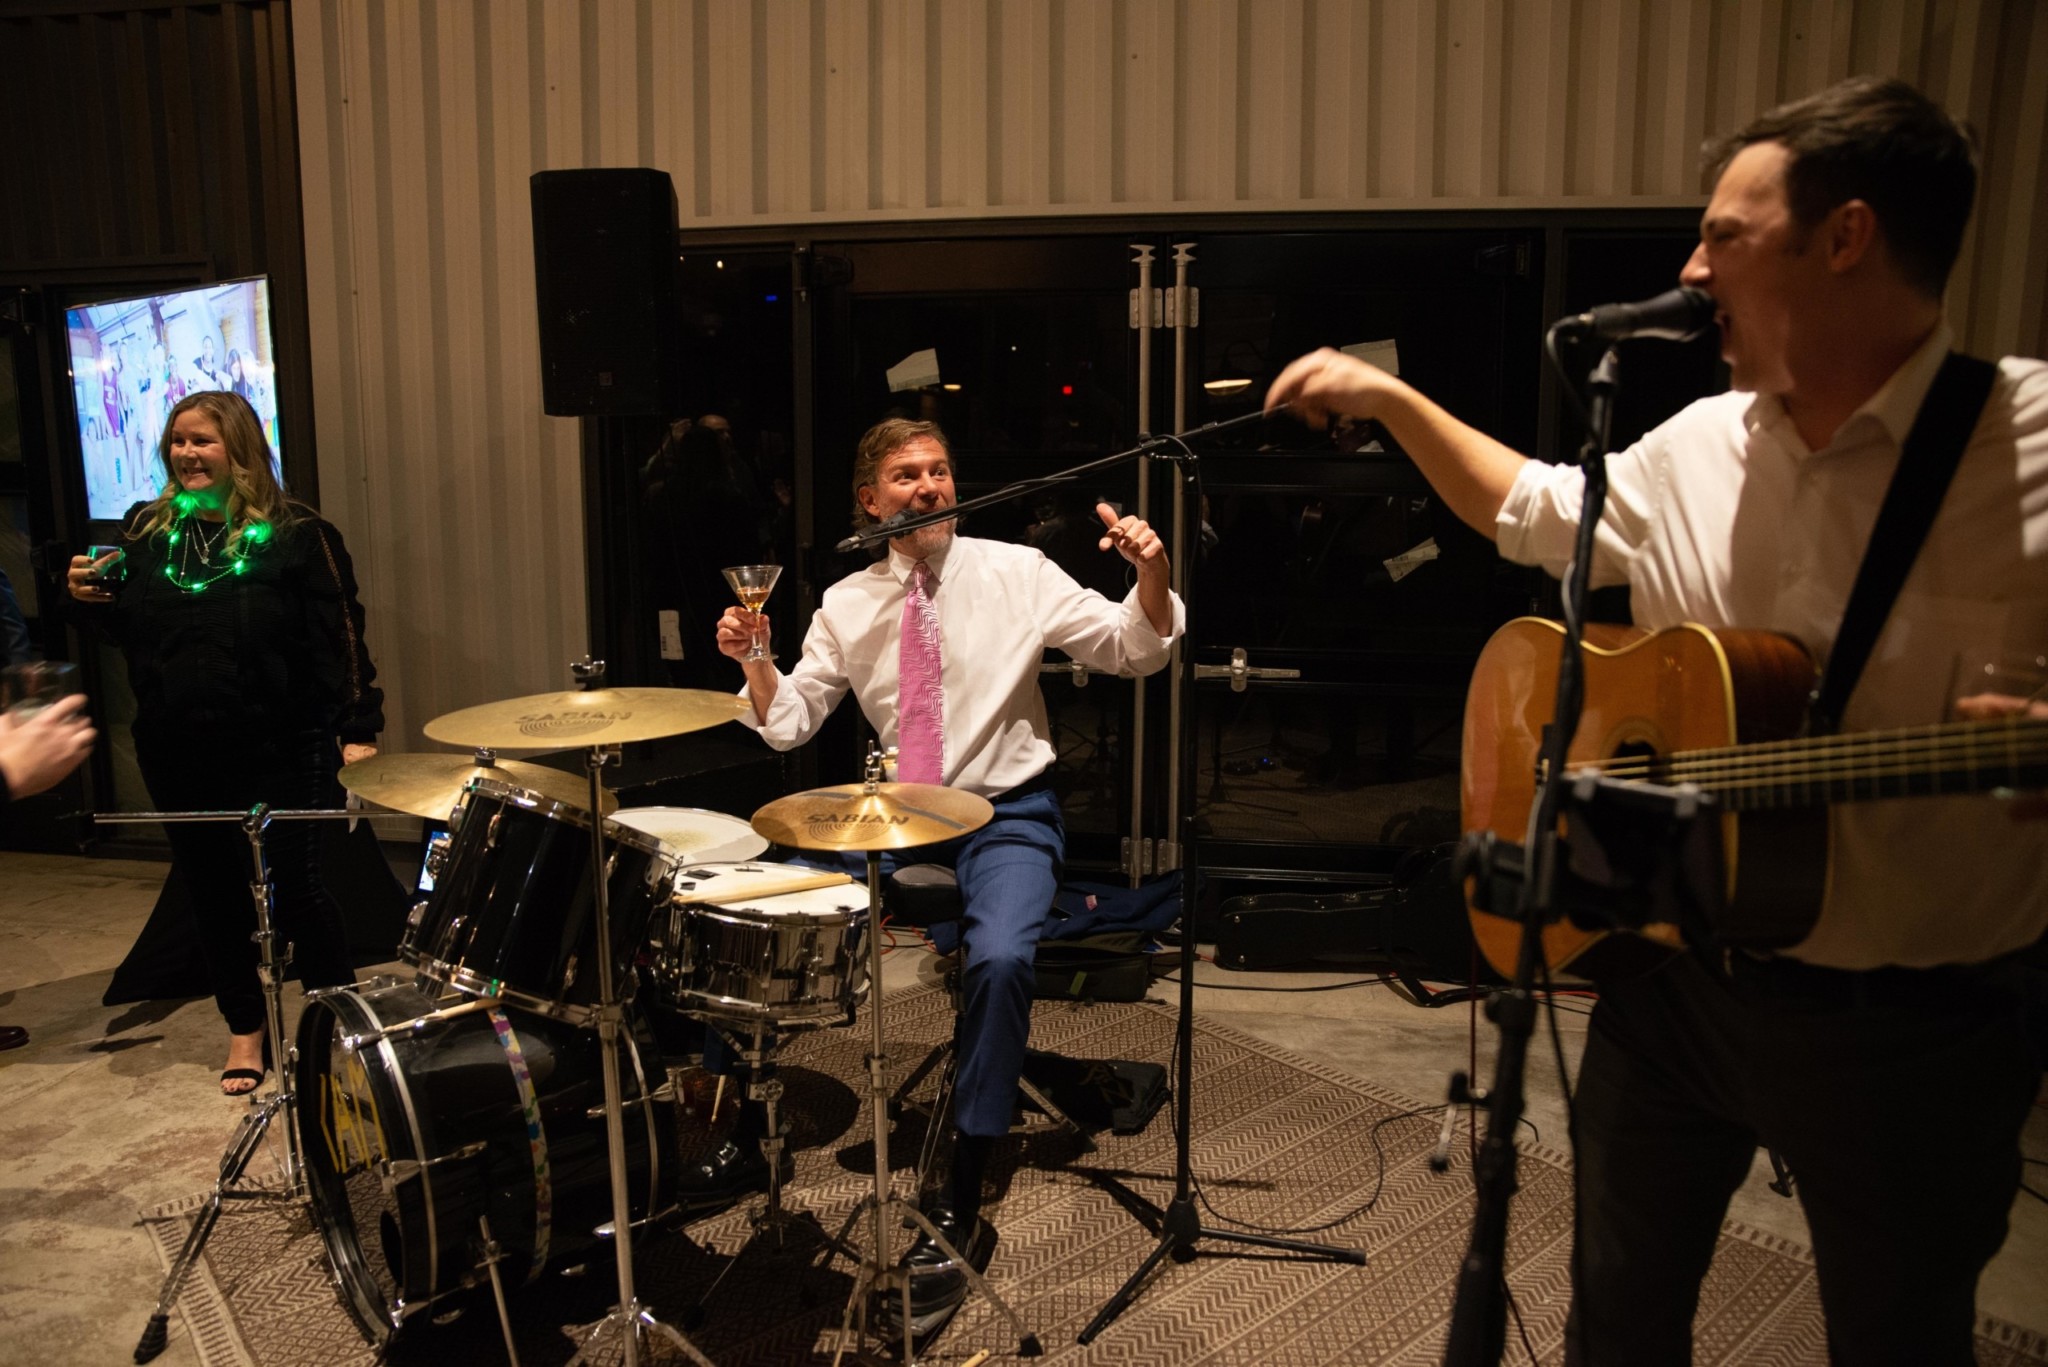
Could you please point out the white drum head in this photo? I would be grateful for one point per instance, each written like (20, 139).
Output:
(695, 836)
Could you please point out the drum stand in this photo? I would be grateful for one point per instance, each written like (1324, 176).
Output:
(773, 1218)
(628, 1318)
(273, 956)
(883, 1204)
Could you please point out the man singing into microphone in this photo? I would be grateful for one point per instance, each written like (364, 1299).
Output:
(941, 644)
(1884, 1056)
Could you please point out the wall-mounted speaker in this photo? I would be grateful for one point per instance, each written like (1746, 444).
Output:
(604, 260)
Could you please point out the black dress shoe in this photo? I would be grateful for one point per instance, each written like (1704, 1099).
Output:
(733, 1170)
(937, 1283)
(13, 1036)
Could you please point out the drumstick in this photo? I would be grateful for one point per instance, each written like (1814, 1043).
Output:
(983, 1356)
(771, 887)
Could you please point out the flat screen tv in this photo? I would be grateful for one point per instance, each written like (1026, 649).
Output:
(133, 359)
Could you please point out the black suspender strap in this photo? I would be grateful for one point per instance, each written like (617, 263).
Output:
(1927, 462)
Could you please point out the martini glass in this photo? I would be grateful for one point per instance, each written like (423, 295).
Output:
(753, 584)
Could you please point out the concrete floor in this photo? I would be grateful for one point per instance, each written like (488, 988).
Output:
(113, 1110)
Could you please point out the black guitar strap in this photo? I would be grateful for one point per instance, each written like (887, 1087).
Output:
(1927, 462)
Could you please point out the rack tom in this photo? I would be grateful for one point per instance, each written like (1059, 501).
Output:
(512, 914)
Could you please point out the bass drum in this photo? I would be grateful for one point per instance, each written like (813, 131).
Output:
(413, 1138)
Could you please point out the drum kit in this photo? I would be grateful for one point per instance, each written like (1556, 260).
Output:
(506, 1110)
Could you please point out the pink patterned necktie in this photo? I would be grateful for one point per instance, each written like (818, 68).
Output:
(920, 706)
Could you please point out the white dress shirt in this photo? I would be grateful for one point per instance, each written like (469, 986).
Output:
(1723, 517)
(999, 607)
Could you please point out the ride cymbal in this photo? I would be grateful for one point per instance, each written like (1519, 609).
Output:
(895, 816)
(430, 785)
(586, 717)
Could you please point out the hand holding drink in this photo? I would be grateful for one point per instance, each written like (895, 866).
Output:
(753, 584)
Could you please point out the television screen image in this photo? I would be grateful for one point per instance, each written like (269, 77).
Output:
(133, 359)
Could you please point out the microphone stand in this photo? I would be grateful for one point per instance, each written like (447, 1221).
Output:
(1178, 1227)
(1479, 1315)
(1169, 447)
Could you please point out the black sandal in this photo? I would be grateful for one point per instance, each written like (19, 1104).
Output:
(254, 1076)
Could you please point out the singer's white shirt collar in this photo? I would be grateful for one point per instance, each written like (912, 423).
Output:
(1892, 408)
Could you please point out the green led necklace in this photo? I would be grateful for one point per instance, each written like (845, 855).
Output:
(185, 538)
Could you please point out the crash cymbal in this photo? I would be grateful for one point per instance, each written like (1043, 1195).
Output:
(896, 816)
(586, 717)
(430, 785)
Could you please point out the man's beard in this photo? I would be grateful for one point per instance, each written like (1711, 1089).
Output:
(926, 542)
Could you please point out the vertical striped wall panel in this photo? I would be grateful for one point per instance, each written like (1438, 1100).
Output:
(420, 121)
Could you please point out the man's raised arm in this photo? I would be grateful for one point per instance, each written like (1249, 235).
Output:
(1469, 470)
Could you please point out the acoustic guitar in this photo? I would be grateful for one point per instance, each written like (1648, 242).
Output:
(1721, 710)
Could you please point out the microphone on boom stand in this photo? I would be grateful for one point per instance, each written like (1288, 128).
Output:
(1674, 316)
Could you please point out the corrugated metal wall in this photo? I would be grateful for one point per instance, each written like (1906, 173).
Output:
(420, 123)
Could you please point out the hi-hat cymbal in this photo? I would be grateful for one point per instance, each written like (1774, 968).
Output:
(586, 717)
(896, 816)
(430, 785)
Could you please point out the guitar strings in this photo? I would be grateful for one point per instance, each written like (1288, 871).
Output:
(1892, 760)
(1934, 767)
(2008, 744)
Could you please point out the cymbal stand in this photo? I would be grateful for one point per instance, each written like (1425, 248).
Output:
(273, 957)
(883, 1205)
(773, 1218)
(628, 1318)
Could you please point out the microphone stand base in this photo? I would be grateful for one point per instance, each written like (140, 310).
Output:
(1180, 1230)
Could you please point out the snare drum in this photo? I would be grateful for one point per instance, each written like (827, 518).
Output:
(789, 959)
(511, 914)
(691, 835)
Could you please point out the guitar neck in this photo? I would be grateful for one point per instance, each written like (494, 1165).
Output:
(1921, 761)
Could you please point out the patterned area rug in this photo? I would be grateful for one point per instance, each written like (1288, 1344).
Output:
(1280, 1142)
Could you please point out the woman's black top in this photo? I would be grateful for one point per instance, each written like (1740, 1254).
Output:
(263, 655)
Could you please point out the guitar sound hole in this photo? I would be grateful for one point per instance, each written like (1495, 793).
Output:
(1638, 752)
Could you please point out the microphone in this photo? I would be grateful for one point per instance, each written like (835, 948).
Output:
(1674, 316)
(881, 531)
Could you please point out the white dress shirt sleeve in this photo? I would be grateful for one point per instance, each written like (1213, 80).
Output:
(1538, 522)
(806, 695)
(1117, 637)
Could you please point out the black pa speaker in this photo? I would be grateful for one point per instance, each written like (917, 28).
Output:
(604, 261)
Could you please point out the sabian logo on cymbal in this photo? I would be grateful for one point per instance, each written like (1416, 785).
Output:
(830, 825)
(565, 724)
